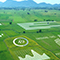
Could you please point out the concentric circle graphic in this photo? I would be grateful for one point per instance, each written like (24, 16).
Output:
(14, 41)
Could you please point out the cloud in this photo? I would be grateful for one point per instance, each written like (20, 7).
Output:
(48, 1)
(39, 1)
(13, 0)
(21, 0)
(2, 0)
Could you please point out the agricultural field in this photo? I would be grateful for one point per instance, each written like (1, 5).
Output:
(30, 35)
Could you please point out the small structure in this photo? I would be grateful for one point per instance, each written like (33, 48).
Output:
(47, 22)
(1, 35)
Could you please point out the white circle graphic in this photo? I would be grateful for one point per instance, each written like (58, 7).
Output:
(20, 38)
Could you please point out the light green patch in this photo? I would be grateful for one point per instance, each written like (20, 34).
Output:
(22, 51)
(0, 24)
(57, 41)
(38, 25)
(35, 57)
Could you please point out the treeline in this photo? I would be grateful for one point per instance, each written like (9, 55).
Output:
(48, 20)
(24, 8)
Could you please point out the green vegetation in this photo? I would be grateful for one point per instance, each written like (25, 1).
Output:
(41, 42)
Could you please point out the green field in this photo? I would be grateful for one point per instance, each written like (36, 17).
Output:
(45, 41)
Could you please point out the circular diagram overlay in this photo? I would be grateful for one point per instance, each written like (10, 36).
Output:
(14, 41)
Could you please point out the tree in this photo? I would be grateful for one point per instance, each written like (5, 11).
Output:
(35, 20)
(4, 11)
(54, 13)
(37, 32)
(46, 11)
(0, 29)
(52, 20)
(10, 23)
(23, 31)
(23, 9)
(28, 13)
(47, 22)
(40, 30)
(44, 19)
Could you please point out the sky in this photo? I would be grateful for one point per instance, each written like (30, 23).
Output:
(39, 1)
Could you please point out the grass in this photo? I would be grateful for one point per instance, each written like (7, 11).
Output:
(2, 46)
(19, 51)
(9, 51)
(25, 50)
(5, 56)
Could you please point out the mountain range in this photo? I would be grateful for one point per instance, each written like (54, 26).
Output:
(26, 3)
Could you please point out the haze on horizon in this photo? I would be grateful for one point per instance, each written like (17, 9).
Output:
(39, 1)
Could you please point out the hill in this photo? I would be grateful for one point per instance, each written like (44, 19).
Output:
(26, 3)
